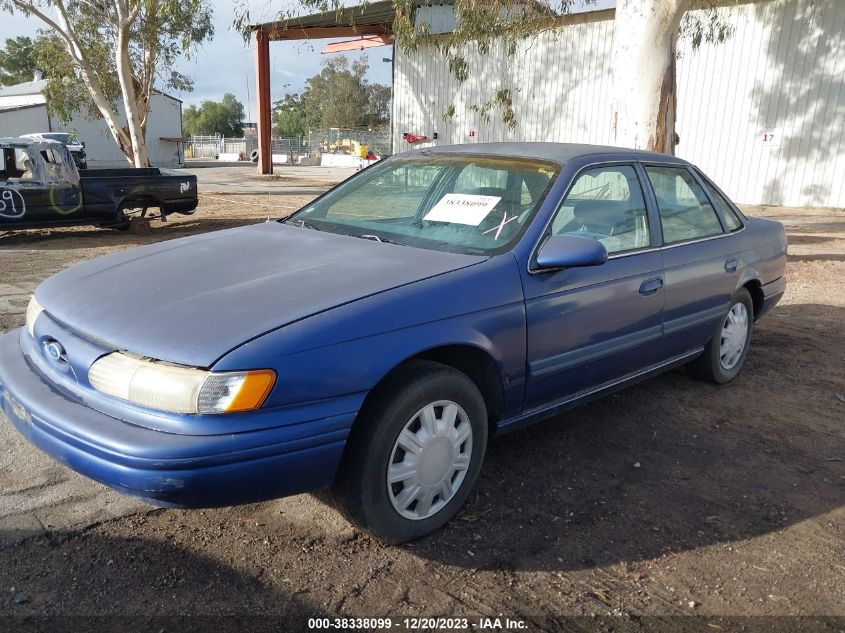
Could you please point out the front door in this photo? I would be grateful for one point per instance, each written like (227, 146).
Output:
(589, 327)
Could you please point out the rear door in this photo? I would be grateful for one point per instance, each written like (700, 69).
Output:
(591, 326)
(701, 259)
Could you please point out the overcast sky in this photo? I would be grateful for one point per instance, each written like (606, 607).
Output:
(225, 64)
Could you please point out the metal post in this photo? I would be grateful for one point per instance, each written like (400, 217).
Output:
(262, 98)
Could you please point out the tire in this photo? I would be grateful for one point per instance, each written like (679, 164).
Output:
(720, 364)
(416, 391)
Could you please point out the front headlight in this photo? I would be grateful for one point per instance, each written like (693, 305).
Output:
(32, 311)
(179, 389)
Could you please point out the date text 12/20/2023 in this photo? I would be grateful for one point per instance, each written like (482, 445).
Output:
(418, 623)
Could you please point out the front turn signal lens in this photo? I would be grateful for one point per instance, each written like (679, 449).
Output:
(231, 392)
(166, 387)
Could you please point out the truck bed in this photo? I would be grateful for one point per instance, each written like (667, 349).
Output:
(170, 190)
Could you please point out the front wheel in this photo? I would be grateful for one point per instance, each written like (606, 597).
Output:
(725, 353)
(413, 457)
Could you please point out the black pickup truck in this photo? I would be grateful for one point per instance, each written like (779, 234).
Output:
(41, 186)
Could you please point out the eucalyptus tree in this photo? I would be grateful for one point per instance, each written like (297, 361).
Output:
(98, 53)
(17, 61)
(224, 117)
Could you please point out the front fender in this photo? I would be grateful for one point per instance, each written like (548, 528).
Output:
(349, 349)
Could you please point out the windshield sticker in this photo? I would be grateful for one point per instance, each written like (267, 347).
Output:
(462, 208)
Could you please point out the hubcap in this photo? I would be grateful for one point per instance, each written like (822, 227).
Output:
(734, 336)
(429, 460)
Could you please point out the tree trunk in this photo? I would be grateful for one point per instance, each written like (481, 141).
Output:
(130, 104)
(61, 26)
(644, 46)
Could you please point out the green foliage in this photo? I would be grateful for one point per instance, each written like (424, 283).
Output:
(164, 31)
(65, 92)
(341, 96)
(483, 24)
(289, 118)
(479, 23)
(378, 105)
(705, 26)
(17, 61)
(215, 117)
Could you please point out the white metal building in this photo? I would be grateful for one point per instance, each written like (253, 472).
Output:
(763, 114)
(23, 110)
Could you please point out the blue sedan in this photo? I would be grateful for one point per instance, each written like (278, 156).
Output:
(374, 341)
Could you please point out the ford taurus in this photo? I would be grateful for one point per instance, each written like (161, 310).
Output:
(375, 340)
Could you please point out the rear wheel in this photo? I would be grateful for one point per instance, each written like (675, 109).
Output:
(725, 353)
(414, 455)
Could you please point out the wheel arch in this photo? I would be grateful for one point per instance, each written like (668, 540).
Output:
(471, 360)
(138, 201)
(755, 289)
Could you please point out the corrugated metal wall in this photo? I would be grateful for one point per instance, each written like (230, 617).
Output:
(165, 120)
(20, 120)
(763, 113)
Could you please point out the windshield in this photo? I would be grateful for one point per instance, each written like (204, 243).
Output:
(60, 137)
(459, 203)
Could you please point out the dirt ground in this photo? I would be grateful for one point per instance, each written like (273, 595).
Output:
(672, 498)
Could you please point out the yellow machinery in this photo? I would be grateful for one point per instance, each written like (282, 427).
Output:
(340, 142)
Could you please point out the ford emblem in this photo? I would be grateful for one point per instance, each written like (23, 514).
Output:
(54, 350)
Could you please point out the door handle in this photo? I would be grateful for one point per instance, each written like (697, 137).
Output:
(730, 265)
(651, 286)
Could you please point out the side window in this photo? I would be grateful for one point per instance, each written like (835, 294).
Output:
(685, 212)
(53, 167)
(606, 204)
(24, 166)
(723, 208)
(10, 168)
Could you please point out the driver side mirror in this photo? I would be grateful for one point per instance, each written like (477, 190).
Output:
(570, 251)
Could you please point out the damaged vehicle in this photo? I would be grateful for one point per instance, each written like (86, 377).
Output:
(375, 341)
(73, 144)
(41, 186)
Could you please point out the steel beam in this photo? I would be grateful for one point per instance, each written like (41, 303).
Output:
(262, 98)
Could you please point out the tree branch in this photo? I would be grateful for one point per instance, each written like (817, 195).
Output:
(30, 8)
(61, 25)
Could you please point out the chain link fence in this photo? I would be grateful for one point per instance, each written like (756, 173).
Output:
(346, 141)
(291, 149)
(207, 146)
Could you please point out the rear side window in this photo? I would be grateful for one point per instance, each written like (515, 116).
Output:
(724, 209)
(685, 212)
(606, 204)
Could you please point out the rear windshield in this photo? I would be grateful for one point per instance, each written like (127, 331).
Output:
(457, 203)
(61, 138)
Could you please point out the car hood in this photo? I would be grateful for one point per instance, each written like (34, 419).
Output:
(191, 300)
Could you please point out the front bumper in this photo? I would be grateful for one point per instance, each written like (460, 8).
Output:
(169, 469)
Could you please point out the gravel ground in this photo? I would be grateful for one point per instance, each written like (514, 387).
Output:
(672, 498)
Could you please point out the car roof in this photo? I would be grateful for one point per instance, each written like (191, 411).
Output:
(23, 143)
(558, 152)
